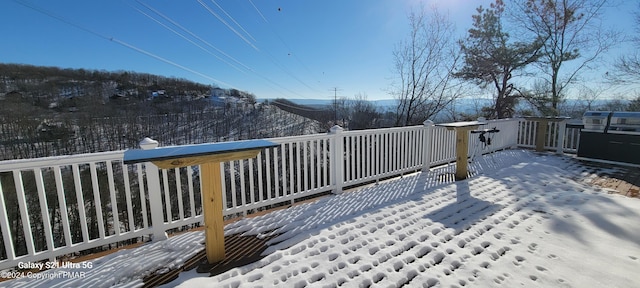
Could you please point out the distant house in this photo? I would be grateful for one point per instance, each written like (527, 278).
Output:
(222, 98)
(158, 93)
(218, 101)
(218, 92)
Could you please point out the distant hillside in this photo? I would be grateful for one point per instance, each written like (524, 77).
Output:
(53, 89)
(46, 111)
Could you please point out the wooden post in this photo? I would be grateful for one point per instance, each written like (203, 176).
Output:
(541, 134)
(541, 131)
(462, 144)
(462, 148)
(212, 204)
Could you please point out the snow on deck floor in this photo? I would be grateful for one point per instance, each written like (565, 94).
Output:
(524, 220)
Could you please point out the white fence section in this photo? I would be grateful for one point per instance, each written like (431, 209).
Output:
(556, 131)
(50, 207)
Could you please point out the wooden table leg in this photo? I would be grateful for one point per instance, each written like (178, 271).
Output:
(462, 147)
(212, 204)
(541, 134)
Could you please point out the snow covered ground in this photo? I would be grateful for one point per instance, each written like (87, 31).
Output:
(522, 220)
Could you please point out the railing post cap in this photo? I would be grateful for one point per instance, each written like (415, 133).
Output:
(336, 129)
(148, 143)
(428, 123)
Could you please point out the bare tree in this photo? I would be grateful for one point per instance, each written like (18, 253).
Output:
(627, 67)
(423, 64)
(572, 32)
(634, 104)
(364, 114)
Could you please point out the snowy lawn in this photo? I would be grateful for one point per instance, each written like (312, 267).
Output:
(523, 220)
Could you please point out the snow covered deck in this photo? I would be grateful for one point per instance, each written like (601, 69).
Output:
(521, 220)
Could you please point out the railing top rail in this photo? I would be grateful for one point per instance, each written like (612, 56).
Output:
(391, 129)
(298, 138)
(23, 164)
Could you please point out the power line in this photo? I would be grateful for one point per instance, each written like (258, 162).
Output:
(112, 39)
(295, 56)
(227, 24)
(185, 38)
(193, 34)
(269, 54)
(234, 21)
(175, 23)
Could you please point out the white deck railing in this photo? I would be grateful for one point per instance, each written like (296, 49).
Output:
(556, 131)
(55, 206)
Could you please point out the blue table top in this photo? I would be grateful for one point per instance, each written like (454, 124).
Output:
(173, 152)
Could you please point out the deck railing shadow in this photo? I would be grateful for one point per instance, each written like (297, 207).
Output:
(557, 197)
(465, 211)
(298, 223)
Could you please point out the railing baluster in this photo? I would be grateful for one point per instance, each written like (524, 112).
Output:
(24, 213)
(322, 161)
(4, 225)
(82, 214)
(377, 154)
(178, 175)
(366, 156)
(315, 165)
(112, 196)
(64, 214)
(278, 155)
(167, 196)
(243, 194)
(232, 183)
(358, 158)
(268, 168)
(96, 199)
(251, 182)
(307, 166)
(192, 204)
(346, 160)
(260, 177)
(291, 172)
(127, 191)
(143, 198)
(298, 163)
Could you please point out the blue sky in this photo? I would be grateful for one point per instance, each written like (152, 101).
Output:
(272, 48)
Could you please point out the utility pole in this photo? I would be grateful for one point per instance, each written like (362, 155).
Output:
(335, 104)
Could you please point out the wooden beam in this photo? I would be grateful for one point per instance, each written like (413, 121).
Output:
(541, 134)
(212, 204)
(462, 146)
(199, 160)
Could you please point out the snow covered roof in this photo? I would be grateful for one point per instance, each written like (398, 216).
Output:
(521, 220)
